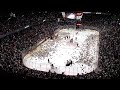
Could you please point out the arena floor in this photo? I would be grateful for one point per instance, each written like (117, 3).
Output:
(81, 47)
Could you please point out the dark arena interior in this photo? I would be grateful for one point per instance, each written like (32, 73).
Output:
(21, 31)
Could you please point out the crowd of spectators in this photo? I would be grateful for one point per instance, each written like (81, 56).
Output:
(11, 23)
(13, 46)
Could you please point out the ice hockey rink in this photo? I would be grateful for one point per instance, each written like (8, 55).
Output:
(70, 52)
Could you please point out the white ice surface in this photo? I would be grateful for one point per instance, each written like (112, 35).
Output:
(65, 51)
